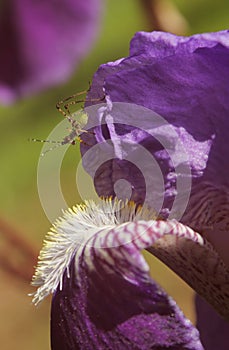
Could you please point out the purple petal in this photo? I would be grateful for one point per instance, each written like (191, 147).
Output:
(161, 44)
(41, 43)
(213, 329)
(184, 80)
(108, 300)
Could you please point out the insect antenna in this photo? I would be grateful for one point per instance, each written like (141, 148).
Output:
(57, 144)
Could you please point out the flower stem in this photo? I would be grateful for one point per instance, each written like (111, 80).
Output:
(17, 255)
(163, 15)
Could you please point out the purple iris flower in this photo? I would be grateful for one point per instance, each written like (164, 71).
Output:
(103, 296)
(185, 81)
(159, 143)
(42, 42)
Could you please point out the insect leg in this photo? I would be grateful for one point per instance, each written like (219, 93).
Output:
(63, 105)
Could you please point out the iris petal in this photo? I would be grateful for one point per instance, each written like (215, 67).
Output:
(110, 302)
(103, 294)
(185, 80)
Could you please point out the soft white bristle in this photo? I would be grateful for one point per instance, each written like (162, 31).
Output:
(70, 233)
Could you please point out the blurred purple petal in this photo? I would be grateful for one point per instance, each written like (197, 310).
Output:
(214, 330)
(42, 42)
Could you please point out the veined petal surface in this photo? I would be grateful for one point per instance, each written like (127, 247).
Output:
(105, 298)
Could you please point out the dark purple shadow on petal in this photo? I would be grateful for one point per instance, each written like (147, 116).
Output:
(118, 170)
(214, 330)
(101, 310)
(144, 297)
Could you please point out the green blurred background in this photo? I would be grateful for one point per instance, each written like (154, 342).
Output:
(23, 326)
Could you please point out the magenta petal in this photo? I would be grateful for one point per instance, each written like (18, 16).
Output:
(42, 42)
(108, 300)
